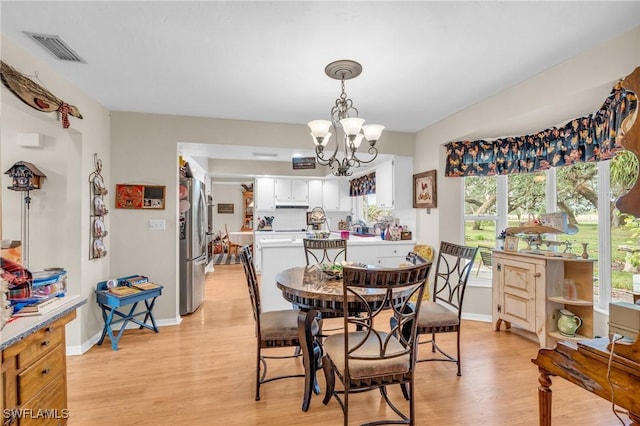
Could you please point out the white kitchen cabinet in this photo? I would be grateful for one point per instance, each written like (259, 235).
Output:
(264, 194)
(315, 193)
(335, 195)
(394, 182)
(527, 292)
(291, 191)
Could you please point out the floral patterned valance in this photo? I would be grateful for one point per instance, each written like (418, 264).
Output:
(586, 139)
(363, 185)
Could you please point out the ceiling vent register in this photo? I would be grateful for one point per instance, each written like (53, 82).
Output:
(56, 46)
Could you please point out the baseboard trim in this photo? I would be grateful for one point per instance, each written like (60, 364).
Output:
(73, 350)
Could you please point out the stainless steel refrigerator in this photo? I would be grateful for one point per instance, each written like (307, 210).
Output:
(193, 244)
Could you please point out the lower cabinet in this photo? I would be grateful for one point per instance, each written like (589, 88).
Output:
(528, 292)
(34, 377)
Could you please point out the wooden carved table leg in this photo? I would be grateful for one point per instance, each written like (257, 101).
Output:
(305, 320)
(544, 398)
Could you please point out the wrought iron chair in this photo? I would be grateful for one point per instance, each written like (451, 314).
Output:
(377, 356)
(319, 251)
(274, 329)
(324, 250)
(442, 314)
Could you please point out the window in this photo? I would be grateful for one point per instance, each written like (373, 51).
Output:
(587, 193)
(481, 217)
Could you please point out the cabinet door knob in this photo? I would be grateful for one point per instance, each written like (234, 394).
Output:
(49, 329)
(537, 274)
(45, 343)
(46, 371)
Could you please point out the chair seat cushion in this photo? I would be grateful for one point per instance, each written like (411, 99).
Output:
(334, 348)
(433, 314)
(282, 325)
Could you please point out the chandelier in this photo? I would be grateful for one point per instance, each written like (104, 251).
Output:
(344, 119)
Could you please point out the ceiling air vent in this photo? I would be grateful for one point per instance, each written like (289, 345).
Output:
(56, 46)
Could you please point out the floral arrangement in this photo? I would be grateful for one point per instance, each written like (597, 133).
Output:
(5, 306)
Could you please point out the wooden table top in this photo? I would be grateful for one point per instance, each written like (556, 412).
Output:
(310, 287)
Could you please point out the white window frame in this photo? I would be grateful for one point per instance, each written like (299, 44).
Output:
(604, 234)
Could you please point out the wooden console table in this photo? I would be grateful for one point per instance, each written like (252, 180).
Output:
(111, 303)
(586, 365)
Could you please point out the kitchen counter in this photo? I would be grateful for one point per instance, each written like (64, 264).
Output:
(23, 327)
(283, 253)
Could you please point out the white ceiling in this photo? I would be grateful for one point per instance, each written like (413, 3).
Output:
(264, 61)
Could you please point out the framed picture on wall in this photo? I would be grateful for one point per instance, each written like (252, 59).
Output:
(425, 190)
(140, 196)
(225, 208)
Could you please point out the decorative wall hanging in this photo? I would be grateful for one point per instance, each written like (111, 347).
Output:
(97, 193)
(225, 208)
(25, 177)
(140, 196)
(630, 140)
(592, 138)
(425, 190)
(36, 96)
(363, 185)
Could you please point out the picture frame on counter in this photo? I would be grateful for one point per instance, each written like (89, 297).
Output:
(425, 190)
(511, 243)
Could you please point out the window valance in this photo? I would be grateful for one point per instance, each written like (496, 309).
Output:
(363, 185)
(595, 137)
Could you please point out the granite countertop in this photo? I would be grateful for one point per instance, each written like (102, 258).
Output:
(22, 327)
(353, 240)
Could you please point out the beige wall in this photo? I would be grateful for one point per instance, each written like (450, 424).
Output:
(572, 89)
(146, 148)
(59, 219)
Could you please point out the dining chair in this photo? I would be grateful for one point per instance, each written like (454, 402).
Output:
(232, 248)
(486, 258)
(273, 329)
(321, 251)
(371, 353)
(442, 314)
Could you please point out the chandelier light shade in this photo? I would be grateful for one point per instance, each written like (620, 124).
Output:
(349, 129)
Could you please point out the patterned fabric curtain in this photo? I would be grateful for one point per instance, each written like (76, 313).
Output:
(595, 137)
(363, 185)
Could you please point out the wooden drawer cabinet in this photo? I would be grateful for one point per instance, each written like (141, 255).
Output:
(39, 374)
(34, 377)
(527, 292)
(41, 342)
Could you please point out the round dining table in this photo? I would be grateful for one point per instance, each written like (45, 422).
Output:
(313, 291)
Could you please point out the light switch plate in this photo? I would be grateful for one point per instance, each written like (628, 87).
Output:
(157, 225)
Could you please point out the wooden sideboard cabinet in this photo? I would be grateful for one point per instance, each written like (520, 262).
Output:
(34, 377)
(528, 292)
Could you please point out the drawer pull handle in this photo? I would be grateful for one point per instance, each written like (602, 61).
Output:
(45, 343)
(49, 329)
(537, 274)
(46, 371)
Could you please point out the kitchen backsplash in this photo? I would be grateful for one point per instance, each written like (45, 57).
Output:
(295, 219)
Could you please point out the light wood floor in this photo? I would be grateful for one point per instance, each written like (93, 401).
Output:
(202, 373)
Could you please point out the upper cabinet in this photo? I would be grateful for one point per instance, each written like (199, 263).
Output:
(394, 180)
(315, 193)
(291, 191)
(335, 195)
(264, 194)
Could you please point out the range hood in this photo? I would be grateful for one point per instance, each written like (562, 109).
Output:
(292, 206)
